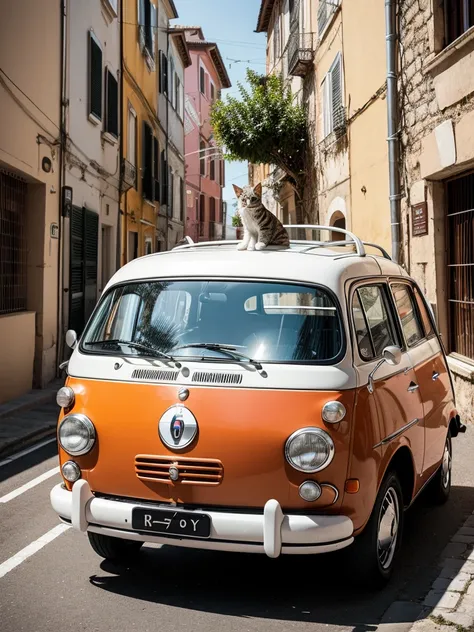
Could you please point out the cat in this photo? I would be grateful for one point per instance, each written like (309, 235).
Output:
(261, 227)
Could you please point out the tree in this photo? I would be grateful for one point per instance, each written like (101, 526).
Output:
(265, 126)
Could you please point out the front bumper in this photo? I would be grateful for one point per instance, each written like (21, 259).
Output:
(271, 532)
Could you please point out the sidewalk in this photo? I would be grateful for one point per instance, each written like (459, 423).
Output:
(29, 418)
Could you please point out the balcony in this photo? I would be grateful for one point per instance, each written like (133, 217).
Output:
(300, 54)
(129, 176)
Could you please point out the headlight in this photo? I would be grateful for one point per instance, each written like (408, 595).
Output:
(71, 471)
(65, 397)
(309, 450)
(333, 412)
(76, 434)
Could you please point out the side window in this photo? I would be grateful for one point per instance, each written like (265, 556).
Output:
(405, 303)
(424, 313)
(376, 329)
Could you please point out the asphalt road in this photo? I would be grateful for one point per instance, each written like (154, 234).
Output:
(64, 586)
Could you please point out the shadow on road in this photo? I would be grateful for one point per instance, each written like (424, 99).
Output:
(317, 589)
(28, 461)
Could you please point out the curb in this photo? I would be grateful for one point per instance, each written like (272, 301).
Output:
(15, 445)
(32, 399)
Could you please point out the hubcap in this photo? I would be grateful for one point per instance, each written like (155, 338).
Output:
(389, 520)
(446, 466)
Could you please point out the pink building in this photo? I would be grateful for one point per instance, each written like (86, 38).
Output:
(205, 170)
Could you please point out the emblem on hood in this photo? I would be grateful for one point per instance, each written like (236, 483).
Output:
(177, 427)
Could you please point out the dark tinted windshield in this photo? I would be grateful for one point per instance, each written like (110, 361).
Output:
(265, 321)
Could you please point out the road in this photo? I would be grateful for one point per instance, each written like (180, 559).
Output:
(62, 585)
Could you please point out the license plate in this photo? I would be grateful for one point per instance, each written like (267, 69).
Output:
(172, 522)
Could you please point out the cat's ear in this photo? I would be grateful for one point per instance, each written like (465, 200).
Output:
(238, 190)
(258, 189)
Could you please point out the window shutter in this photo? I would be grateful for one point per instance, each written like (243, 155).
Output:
(156, 168)
(181, 199)
(322, 15)
(202, 80)
(141, 23)
(171, 82)
(160, 59)
(337, 106)
(163, 74)
(147, 167)
(111, 123)
(95, 78)
(327, 111)
(164, 179)
(170, 192)
(91, 249)
(212, 169)
(153, 29)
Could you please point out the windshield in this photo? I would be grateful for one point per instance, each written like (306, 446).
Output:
(263, 321)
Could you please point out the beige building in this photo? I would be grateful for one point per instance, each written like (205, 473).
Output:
(437, 101)
(29, 193)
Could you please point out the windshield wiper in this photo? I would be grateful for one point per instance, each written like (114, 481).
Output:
(134, 345)
(230, 350)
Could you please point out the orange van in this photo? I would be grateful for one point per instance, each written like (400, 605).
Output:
(290, 401)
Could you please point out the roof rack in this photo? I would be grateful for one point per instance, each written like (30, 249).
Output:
(354, 240)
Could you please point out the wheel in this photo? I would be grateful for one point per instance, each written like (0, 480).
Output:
(440, 486)
(114, 549)
(375, 550)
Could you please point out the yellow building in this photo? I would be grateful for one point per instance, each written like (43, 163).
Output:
(140, 198)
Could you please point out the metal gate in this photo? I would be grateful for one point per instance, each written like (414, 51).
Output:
(460, 219)
(83, 268)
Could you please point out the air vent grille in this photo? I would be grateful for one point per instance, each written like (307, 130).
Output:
(217, 378)
(190, 471)
(155, 375)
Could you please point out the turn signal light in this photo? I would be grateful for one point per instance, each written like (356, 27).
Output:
(352, 486)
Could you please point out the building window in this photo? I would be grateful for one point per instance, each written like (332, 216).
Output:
(95, 78)
(276, 39)
(212, 209)
(163, 73)
(148, 182)
(202, 80)
(326, 10)
(170, 192)
(212, 169)
(13, 246)
(171, 93)
(148, 246)
(147, 26)
(111, 104)
(156, 168)
(202, 158)
(202, 214)
(132, 136)
(460, 253)
(222, 168)
(178, 97)
(371, 320)
(181, 199)
(132, 245)
(164, 178)
(213, 92)
(458, 18)
(112, 5)
(333, 101)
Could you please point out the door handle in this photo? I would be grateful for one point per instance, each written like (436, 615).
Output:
(435, 376)
(413, 387)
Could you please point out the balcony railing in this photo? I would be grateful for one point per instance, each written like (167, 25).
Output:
(129, 175)
(300, 53)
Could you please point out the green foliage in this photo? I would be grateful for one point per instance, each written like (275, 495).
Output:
(265, 126)
(236, 221)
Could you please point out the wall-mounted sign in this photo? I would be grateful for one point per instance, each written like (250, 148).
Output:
(419, 219)
(54, 231)
(67, 201)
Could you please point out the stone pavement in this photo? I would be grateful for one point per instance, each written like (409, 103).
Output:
(29, 418)
(449, 606)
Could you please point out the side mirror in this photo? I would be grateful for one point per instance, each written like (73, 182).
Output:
(392, 355)
(71, 338)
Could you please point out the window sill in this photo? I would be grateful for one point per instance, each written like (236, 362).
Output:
(110, 138)
(110, 8)
(461, 368)
(95, 120)
(152, 204)
(447, 57)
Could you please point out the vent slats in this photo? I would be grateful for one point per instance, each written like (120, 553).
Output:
(217, 378)
(191, 471)
(155, 375)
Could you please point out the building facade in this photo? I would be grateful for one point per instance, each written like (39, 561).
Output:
(30, 165)
(205, 168)
(90, 234)
(437, 104)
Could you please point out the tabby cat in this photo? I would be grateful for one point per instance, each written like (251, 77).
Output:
(261, 227)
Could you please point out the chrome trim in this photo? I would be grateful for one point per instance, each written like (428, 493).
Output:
(314, 483)
(334, 489)
(413, 387)
(370, 385)
(340, 406)
(318, 431)
(397, 433)
(435, 376)
(90, 428)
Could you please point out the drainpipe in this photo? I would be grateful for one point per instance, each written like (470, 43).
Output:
(393, 122)
(169, 96)
(118, 253)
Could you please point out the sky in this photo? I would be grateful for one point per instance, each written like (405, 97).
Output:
(231, 24)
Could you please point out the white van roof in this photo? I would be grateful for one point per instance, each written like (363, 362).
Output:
(327, 263)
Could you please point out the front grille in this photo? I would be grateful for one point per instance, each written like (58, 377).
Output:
(217, 378)
(191, 471)
(154, 375)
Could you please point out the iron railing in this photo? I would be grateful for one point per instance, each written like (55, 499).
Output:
(129, 175)
(300, 53)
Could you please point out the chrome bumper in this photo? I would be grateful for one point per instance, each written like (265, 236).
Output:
(272, 532)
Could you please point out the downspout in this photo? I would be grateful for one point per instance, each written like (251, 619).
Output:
(393, 123)
(62, 180)
(118, 253)
(170, 96)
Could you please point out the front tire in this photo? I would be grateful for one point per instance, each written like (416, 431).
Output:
(375, 551)
(114, 550)
(440, 486)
